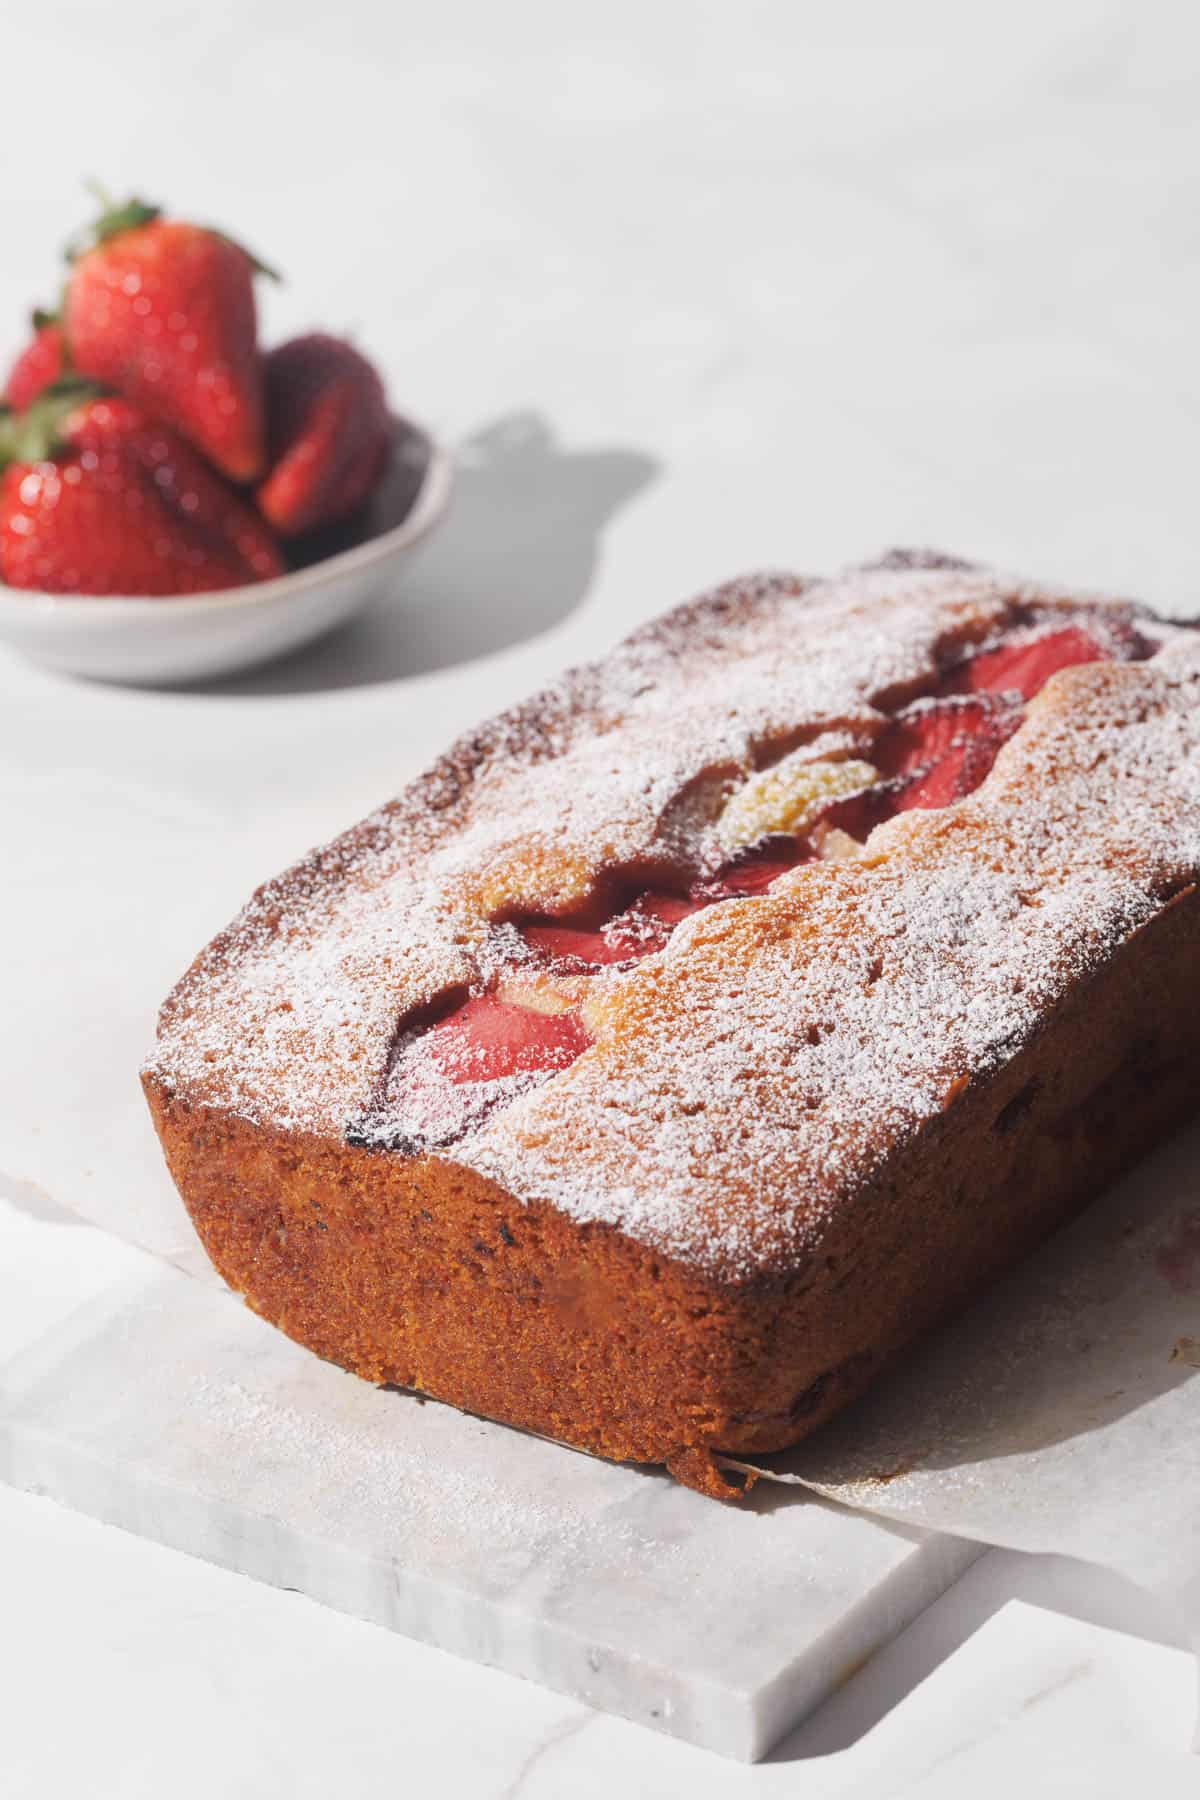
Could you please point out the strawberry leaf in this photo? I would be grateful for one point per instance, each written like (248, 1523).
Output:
(128, 215)
(256, 262)
(36, 435)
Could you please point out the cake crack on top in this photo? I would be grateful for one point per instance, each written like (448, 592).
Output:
(818, 794)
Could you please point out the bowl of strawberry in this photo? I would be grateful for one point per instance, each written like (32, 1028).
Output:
(175, 501)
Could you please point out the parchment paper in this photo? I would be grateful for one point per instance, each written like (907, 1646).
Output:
(1060, 1414)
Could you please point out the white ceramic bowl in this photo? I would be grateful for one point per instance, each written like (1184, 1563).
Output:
(187, 637)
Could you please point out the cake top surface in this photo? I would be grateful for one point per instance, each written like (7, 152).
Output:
(776, 1047)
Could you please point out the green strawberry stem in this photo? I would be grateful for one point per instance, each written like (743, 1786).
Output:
(131, 215)
(256, 262)
(36, 435)
(40, 318)
(114, 218)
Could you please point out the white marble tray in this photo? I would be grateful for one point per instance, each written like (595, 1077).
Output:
(165, 1407)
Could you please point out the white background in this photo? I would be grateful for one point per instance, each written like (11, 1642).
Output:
(691, 289)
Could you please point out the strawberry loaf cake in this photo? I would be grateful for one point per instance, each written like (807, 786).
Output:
(690, 1038)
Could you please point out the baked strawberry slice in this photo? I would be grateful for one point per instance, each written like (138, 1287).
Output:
(639, 931)
(924, 733)
(947, 781)
(42, 362)
(937, 751)
(580, 949)
(487, 1039)
(667, 909)
(859, 814)
(1025, 668)
(754, 873)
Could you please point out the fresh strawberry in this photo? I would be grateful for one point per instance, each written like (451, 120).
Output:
(329, 433)
(488, 1038)
(940, 750)
(1025, 668)
(97, 498)
(164, 312)
(42, 362)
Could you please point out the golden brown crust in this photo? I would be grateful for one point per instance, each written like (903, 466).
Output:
(427, 1276)
(809, 1130)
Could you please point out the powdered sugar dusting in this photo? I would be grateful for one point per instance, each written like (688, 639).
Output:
(828, 1020)
(349, 1455)
(798, 1035)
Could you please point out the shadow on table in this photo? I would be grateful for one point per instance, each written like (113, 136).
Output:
(1081, 1335)
(1061, 1584)
(513, 556)
(28, 1197)
(1083, 1332)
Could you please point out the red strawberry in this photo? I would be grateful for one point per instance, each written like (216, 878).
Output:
(639, 931)
(96, 498)
(1025, 668)
(40, 364)
(164, 312)
(586, 949)
(670, 909)
(329, 433)
(944, 747)
(755, 873)
(859, 814)
(487, 1039)
(946, 781)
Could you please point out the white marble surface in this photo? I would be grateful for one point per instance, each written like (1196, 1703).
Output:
(1031, 1667)
(167, 1408)
(693, 288)
(140, 1672)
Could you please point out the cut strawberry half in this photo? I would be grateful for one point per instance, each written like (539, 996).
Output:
(957, 774)
(859, 814)
(755, 872)
(670, 909)
(941, 750)
(640, 930)
(487, 1039)
(577, 949)
(1025, 668)
(927, 732)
